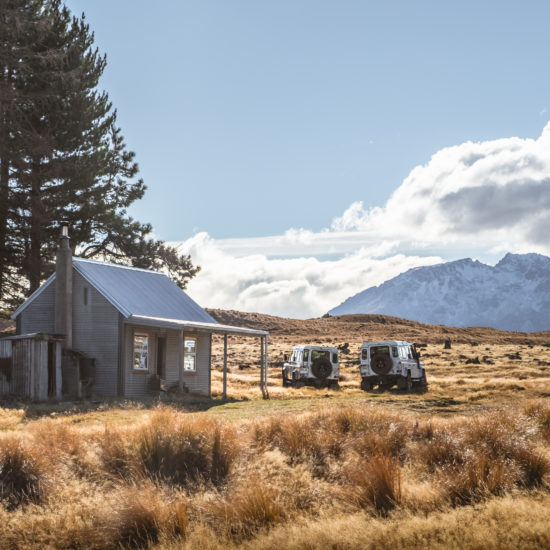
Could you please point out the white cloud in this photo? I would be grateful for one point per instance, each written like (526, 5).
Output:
(496, 192)
(295, 287)
(474, 199)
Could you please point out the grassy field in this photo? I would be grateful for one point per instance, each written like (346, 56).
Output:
(465, 465)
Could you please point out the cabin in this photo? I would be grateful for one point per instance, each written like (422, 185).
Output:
(95, 329)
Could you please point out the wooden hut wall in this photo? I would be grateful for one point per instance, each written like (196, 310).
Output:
(28, 376)
(6, 367)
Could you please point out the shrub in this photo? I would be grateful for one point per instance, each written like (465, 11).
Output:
(23, 474)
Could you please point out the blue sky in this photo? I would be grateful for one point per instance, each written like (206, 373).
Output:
(255, 119)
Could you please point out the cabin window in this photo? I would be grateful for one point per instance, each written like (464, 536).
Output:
(141, 351)
(364, 354)
(190, 355)
(306, 355)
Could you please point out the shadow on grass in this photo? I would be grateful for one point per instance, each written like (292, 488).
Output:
(183, 403)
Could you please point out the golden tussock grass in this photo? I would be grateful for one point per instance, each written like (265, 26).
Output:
(175, 477)
(171, 447)
(465, 465)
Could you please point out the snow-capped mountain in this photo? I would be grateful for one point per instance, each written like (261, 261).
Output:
(512, 295)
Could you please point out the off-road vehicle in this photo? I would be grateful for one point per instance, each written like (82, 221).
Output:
(391, 362)
(312, 365)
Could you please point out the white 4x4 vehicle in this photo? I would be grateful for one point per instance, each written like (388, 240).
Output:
(313, 365)
(391, 362)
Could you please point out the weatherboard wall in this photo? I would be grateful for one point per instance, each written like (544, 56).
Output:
(136, 382)
(39, 316)
(199, 381)
(96, 334)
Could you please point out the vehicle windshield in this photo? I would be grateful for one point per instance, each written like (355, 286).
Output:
(296, 356)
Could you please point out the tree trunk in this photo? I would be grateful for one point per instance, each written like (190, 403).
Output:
(4, 185)
(37, 222)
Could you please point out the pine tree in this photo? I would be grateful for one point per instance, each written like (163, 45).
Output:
(62, 157)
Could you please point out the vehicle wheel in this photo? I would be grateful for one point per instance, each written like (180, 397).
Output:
(365, 385)
(298, 384)
(285, 380)
(381, 364)
(333, 385)
(423, 384)
(321, 368)
(409, 384)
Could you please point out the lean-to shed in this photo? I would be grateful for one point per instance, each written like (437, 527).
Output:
(125, 331)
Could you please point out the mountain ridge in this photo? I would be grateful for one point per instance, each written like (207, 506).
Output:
(512, 295)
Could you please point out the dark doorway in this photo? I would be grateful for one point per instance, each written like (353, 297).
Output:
(51, 370)
(161, 358)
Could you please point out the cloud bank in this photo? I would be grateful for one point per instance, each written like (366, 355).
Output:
(474, 199)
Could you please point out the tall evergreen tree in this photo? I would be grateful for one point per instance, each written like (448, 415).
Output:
(62, 156)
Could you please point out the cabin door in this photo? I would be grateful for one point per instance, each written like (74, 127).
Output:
(51, 370)
(161, 358)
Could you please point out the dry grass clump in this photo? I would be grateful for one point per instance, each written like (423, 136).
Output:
(193, 480)
(24, 476)
(540, 412)
(325, 436)
(247, 509)
(484, 456)
(140, 517)
(375, 483)
(123, 517)
(174, 448)
(478, 478)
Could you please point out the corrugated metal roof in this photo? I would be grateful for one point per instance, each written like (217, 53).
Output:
(141, 292)
(134, 291)
(181, 324)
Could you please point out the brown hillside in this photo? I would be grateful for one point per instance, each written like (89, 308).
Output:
(361, 327)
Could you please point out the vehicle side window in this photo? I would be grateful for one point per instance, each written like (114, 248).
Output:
(335, 358)
(394, 351)
(306, 355)
(364, 353)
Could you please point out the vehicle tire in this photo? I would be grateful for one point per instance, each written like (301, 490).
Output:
(333, 385)
(381, 364)
(423, 384)
(409, 384)
(321, 368)
(298, 384)
(285, 380)
(366, 385)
